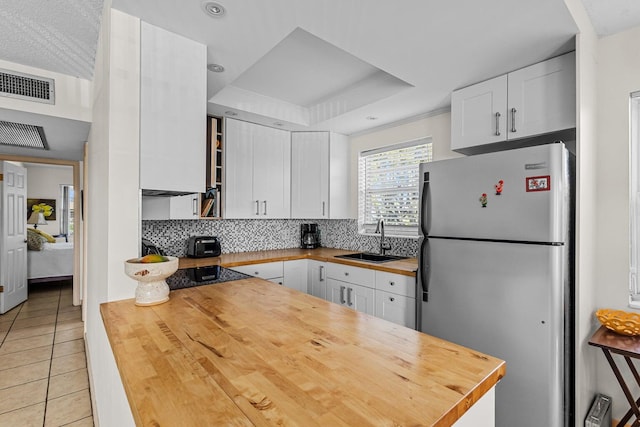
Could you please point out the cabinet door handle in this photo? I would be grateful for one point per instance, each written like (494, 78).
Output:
(391, 283)
(323, 208)
(349, 302)
(513, 120)
(342, 301)
(392, 299)
(497, 124)
(265, 208)
(195, 206)
(322, 273)
(257, 207)
(346, 273)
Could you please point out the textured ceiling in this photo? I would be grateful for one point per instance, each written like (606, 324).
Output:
(54, 35)
(435, 46)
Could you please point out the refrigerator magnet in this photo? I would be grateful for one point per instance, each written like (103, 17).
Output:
(538, 183)
(483, 200)
(498, 187)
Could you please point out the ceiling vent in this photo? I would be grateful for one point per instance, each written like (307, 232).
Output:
(27, 87)
(21, 135)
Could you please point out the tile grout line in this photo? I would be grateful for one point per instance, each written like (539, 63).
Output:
(55, 327)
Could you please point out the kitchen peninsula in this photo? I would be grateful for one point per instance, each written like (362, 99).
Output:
(250, 352)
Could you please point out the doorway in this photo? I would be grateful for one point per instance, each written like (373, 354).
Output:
(74, 238)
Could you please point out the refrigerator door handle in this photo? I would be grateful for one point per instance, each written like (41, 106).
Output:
(423, 269)
(425, 207)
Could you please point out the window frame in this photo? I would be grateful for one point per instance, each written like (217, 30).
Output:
(368, 229)
(634, 199)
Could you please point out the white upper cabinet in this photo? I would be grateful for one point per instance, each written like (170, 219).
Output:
(175, 207)
(319, 175)
(173, 111)
(534, 100)
(310, 175)
(257, 172)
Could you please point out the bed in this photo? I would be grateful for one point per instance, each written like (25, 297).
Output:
(52, 262)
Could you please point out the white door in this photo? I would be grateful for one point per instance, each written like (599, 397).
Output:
(360, 298)
(184, 207)
(272, 172)
(396, 308)
(336, 291)
(317, 279)
(542, 97)
(478, 114)
(13, 259)
(310, 175)
(238, 151)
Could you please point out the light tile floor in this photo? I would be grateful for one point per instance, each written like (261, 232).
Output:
(43, 367)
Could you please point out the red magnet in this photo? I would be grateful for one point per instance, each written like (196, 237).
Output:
(499, 187)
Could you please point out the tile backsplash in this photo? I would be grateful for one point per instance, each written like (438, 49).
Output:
(253, 235)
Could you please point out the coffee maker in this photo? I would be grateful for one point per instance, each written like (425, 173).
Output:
(309, 236)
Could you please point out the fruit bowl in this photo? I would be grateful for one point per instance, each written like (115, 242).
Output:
(620, 321)
(151, 272)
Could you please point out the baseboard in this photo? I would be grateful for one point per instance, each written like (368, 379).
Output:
(94, 407)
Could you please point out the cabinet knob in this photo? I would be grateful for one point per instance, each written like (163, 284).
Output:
(256, 273)
(346, 273)
(392, 283)
(392, 299)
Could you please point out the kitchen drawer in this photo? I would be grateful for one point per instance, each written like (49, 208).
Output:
(396, 284)
(396, 308)
(347, 273)
(267, 270)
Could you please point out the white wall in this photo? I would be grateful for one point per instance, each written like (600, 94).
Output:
(43, 182)
(586, 205)
(618, 76)
(438, 127)
(112, 197)
(72, 95)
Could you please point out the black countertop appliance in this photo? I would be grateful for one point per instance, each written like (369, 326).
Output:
(309, 236)
(199, 276)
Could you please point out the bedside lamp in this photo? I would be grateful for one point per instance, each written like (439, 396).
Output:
(36, 218)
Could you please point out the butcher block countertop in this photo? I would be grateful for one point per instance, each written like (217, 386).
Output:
(406, 267)
(254, 353)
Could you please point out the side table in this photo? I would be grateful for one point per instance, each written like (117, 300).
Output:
(628, 347)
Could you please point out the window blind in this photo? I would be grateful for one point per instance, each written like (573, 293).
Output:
(388, 187)
(634, 200)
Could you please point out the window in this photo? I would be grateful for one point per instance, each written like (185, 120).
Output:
(66, 223)
(634, 199)
(388, 187)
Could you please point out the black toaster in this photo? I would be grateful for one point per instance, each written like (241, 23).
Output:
(203, 246)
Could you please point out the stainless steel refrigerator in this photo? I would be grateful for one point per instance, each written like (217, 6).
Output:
(495, 269)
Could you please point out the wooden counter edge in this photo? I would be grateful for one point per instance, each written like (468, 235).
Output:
(464, 404)
(125, 384)
(259, 257)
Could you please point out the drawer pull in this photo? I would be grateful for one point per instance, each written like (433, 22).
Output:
(392, 283)
(392, 299)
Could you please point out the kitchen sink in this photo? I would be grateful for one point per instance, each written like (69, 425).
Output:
(371, 257)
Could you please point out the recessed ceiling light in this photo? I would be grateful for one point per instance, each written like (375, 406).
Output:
(216, 68)
(213, 9)
(371, 118)
(231, 113)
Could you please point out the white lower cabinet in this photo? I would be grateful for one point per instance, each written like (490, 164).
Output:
(317, 279)
(352, 287)
(359, 298)
(396, 308)
(272, 271)
(395, 298)
(296, 275)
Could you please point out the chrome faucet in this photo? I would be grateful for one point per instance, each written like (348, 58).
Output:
(380, 230)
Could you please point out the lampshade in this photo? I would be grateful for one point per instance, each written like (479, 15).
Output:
(36, 218)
